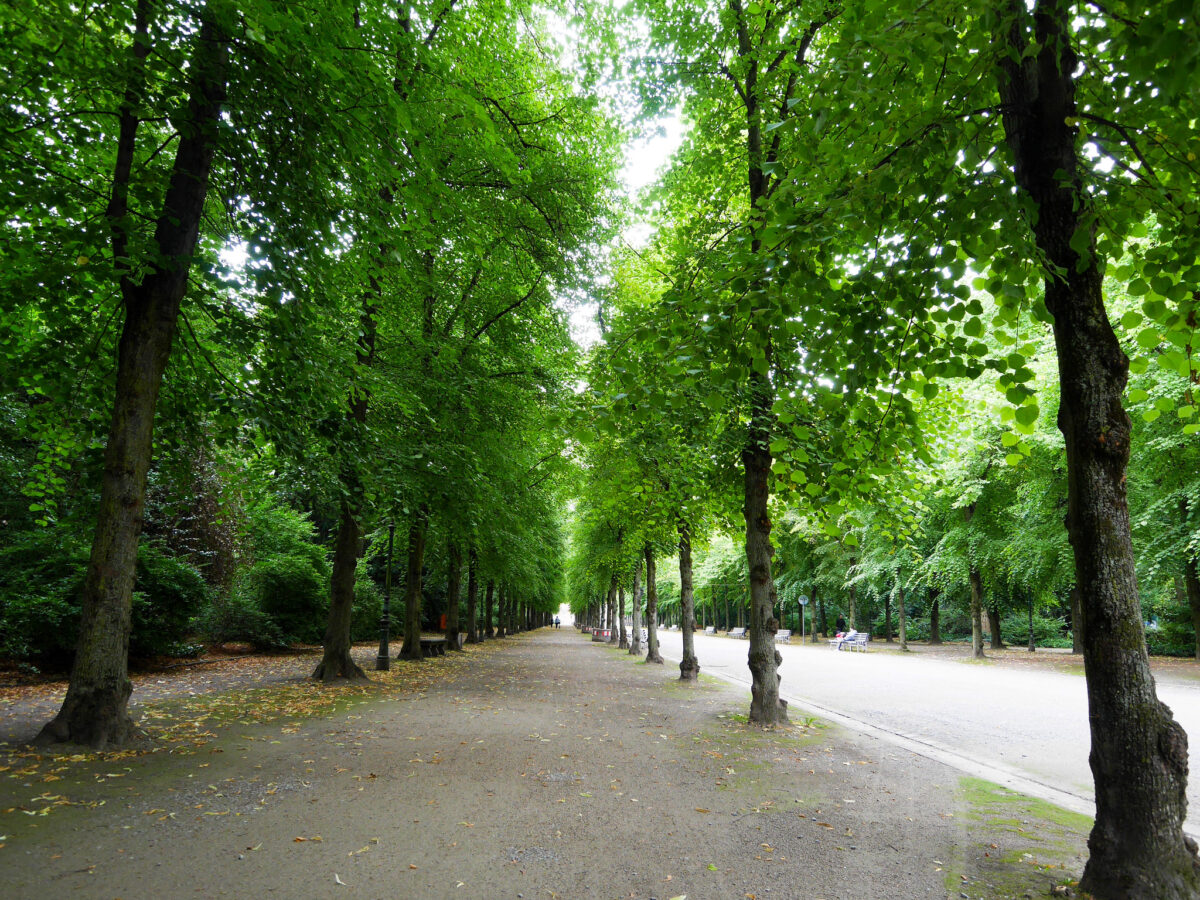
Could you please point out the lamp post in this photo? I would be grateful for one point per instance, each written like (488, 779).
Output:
(383, 660)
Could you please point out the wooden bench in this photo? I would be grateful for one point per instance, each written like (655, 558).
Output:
(711, 629)
(736, 633)
(784, 635)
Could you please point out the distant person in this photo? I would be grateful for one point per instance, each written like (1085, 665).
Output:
(556, 621)
(841, 623)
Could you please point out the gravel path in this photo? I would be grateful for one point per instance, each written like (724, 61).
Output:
(541, 766)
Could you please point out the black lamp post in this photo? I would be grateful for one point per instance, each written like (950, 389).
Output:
(383, 660)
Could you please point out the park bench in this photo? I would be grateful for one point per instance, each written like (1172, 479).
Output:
(784, 635)
(736, 633)
(711, 629)
(433, 646)
(860, 641)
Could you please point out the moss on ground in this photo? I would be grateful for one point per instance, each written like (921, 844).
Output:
(1013, 846)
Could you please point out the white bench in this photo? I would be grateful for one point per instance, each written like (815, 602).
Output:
(784, 635)
(711, 629)
(856, 642)
(736, 633)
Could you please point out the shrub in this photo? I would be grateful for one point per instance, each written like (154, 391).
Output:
(368, 608)
(1171, 639)
(294, 593)
(168, 593)
(43, 572)
(240, 618)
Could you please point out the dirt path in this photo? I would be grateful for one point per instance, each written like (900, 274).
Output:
(541, 766)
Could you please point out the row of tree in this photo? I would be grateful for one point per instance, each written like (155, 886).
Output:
(313, 258)
(883, 212)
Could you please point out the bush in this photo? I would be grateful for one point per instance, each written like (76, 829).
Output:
(1048, 631)
(240, 618)
(43, 573)
(1171, 639)
(168, 594)
(293, 592)
(368, 608)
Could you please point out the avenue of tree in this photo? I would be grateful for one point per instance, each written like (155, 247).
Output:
(285, 332)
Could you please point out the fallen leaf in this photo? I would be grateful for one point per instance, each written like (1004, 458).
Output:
(337, 879)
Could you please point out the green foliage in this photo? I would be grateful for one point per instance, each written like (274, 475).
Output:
(238, 617)
(368, 608)
(43, 571)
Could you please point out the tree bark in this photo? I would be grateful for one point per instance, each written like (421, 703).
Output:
(486, 633)
(903, 614)
(453, 588)
(1139, 753)
(652, 654)
(635, 637)
(472, 595)
(611, 608)
(336, 662)
(935, 623)
(95, 710)
(502, 610)
(852, 612)
(993, 614)
(624, 644)
(887, 618)
(1076, 620)
(823, 625)
(976, 582)
(1191, 580)
(766, 706)
(411, 648)
(689, 666)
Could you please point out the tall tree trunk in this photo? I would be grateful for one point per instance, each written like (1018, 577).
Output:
(472, 595)
(411, 648)
(993, 614)
(652, 654)
(1076, 620)
(766, 706)
(486, 632)
(852, 596)
(976, 582)
(453, 588)
(903, 614)
(335, 659)
(1191, 580)
(95, 710)
(887, 618)
(611, 606)
(502, 610)
(689, 666)
(935, 617)
(624, 644)
(823, 626)
(635, 637)
(1139, 753)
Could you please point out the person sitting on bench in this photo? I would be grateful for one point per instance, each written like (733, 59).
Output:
(844, 637)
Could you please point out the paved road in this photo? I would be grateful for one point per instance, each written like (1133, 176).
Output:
(1026, 729)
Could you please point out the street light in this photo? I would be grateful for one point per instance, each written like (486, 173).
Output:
(383, 660)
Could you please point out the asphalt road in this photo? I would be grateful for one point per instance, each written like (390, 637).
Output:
(1025, 729)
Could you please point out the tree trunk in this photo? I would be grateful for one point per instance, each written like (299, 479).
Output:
(453, 588)
(823, 625)
(95, 710)
(610, 605)
(689, 666)
(624, 644)
(335, 660)
(852, 612)
(502, 610)
(486, 632)
(1191, 580)
(411, 648)
(887, 618)
(1139, 753)
(472, 595)
(976, 582)
(935, 622)
(766, 707)
(993, 614)
(1076, 620)
(635, 637)
(652, 654)
(1032, 645)
(903, 613)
